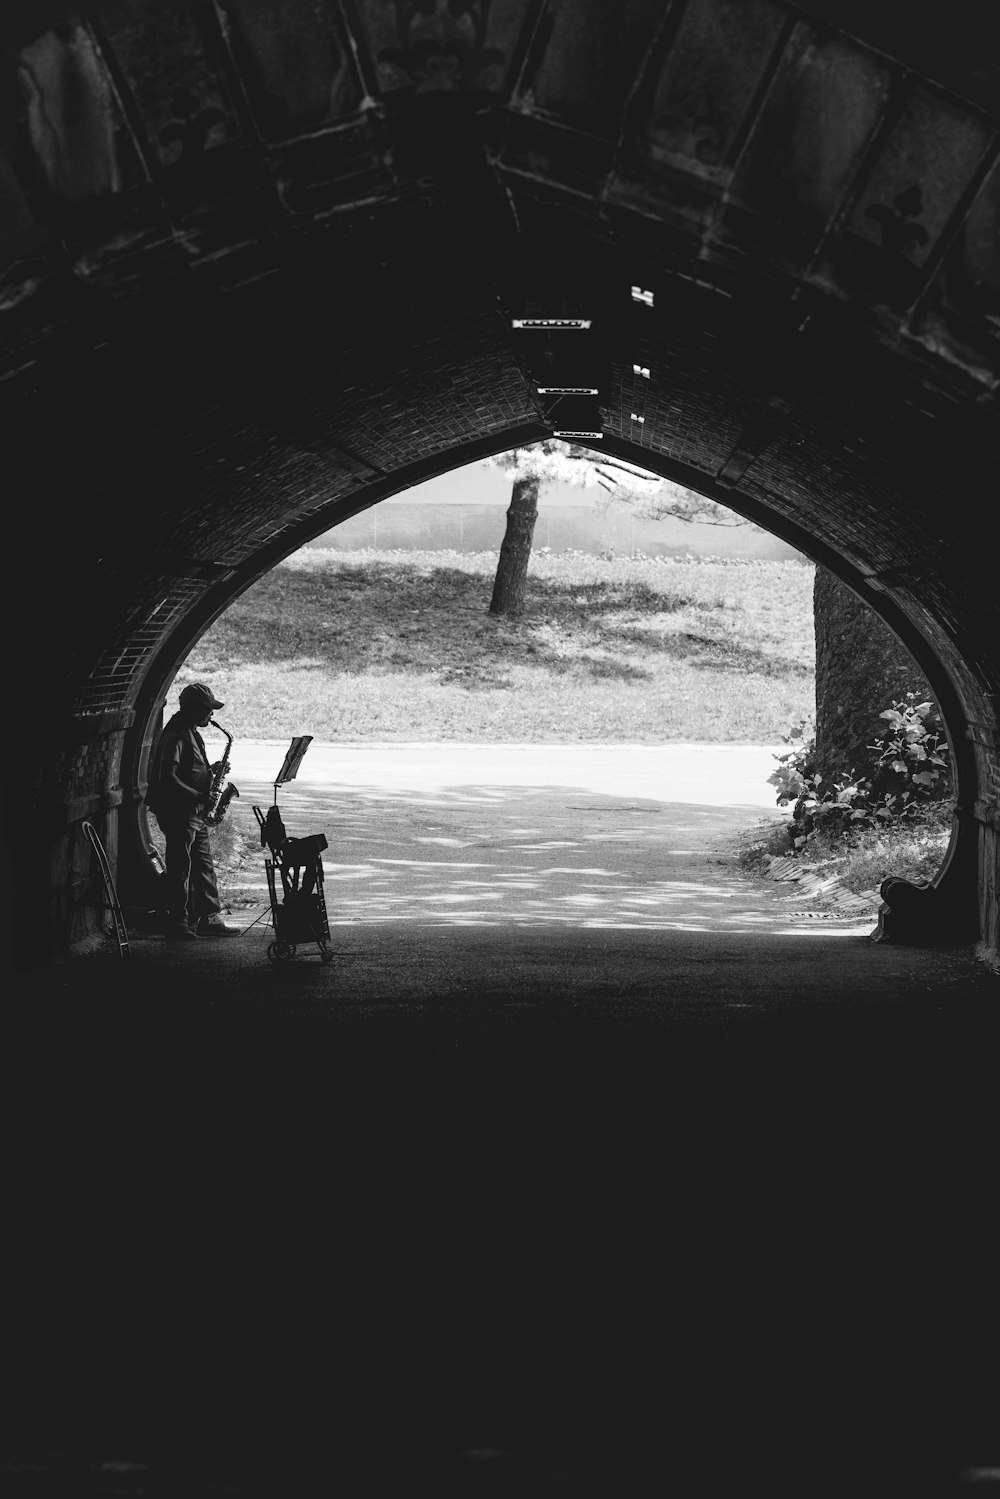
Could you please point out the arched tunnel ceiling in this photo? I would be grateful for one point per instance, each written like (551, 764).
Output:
(850, 147)
(264, 259)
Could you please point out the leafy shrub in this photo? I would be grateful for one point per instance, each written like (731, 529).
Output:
(912, 766)
(910, 776)
(796, 768)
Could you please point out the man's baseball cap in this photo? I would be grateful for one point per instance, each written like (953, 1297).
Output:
(197, 695)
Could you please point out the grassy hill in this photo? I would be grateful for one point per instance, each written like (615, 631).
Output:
(400, 646)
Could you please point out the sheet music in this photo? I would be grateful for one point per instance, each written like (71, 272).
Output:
(293, 759)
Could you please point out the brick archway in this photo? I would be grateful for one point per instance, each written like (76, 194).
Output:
(242, 303)
(949, 914)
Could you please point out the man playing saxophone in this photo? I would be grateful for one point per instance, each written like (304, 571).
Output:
(181, 787)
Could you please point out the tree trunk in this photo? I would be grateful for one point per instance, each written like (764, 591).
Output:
(861, 668)
(515, 551)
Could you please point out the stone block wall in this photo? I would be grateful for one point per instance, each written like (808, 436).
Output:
(84, 787)
(861, 668)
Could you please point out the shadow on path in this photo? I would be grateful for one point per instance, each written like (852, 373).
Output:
(522, 856)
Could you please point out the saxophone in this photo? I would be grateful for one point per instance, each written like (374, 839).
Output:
(219, 799)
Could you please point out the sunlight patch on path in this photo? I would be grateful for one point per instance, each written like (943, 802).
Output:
(666, 865)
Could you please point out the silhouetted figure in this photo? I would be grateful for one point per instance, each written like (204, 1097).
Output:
(180, 786)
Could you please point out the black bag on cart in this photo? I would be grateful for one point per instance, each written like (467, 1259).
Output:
(301, 918)
(300, 859)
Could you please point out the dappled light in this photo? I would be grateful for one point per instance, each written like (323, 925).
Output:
(541, 856)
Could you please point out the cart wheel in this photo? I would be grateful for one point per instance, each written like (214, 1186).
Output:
(281, 949)
(272, 951)
(326, 956)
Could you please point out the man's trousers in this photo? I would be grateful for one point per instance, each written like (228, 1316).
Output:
(192, 891)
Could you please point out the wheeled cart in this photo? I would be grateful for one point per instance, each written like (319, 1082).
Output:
(294, 870)
(298, 913)
(300, 916)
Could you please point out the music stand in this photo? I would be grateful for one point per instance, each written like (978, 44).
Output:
(293, 759)
(272, 829)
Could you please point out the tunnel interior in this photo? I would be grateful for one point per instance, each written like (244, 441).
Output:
(245, 300)
(263, 265)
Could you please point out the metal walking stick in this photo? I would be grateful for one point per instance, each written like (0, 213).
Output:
(121, 932)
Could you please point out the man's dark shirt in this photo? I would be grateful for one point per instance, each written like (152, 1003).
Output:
(180, 779)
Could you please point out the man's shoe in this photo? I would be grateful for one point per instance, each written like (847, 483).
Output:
(214, 926)
(181, 934)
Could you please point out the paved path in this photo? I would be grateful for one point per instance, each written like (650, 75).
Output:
(708, 774)
(630, 837)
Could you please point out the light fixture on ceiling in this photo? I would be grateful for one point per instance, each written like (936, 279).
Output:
(551, 322)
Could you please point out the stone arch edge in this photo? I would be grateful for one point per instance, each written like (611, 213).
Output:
(944, 912)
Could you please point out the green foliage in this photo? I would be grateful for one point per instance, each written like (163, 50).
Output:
(795, 767)
(555, 462)
(653, 498)
(672, 502)
(228, 844)
(912, 767)
(910, 848)
(551, 461)
(910, 776)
